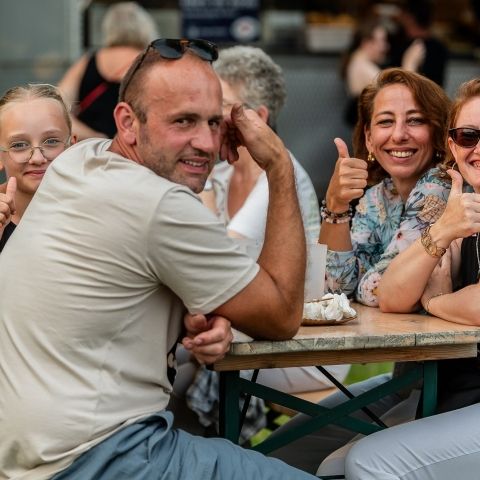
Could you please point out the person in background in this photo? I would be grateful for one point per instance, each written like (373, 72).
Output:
(362, 61)
(249, 76)
(415, 19)
(112, 250)
(239, 195)
(398, 141)
(442, 273)
(35, 127)
(365, 58)
(92, 83)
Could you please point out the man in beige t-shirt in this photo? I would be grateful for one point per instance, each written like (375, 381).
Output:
(95, 281)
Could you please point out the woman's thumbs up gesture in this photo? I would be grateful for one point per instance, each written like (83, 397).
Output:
(348, 181)
(461, 217)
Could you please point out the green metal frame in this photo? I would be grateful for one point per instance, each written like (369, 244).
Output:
(231, 386)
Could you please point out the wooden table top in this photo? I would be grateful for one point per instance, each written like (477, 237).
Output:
(371, 329)
(372, 336)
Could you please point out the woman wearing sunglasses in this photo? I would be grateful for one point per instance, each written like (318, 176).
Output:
(35, 127)
(442, 273)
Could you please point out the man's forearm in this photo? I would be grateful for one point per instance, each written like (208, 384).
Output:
(284, 250)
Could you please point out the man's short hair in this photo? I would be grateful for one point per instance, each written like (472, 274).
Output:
(131, 88)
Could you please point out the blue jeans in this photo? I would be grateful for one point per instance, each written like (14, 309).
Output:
(152, 450)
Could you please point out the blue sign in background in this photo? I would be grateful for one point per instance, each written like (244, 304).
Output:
(221, 20)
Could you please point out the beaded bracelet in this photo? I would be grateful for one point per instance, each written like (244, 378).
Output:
(332, 217)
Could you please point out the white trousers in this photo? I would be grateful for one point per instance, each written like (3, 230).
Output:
(309, 451)
(441, 447)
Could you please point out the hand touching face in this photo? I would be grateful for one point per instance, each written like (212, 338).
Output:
(246, 128)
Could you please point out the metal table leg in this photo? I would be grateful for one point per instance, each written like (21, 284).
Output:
(229, 420)
(429, 405)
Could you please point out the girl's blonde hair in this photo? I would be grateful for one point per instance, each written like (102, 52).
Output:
(32, 91)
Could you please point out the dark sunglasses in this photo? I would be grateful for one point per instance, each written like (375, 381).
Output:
(174, 48)
(466, 137)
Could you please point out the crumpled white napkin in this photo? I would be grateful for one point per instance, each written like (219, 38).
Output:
(336, 309)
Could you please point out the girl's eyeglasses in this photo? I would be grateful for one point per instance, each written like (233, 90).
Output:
(466, 137)
(174, 48)
(21, 151)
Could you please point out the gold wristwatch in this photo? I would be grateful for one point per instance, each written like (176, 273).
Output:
(430, 246)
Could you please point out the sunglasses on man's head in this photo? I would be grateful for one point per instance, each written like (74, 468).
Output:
(175, 48)
(466, 137)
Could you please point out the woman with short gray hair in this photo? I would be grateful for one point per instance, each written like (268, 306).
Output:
(239, 195)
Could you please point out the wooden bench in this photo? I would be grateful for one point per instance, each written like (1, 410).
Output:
(314, 397)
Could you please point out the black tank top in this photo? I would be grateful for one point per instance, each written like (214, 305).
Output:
(459, 380)
(469, 267)
(99, 113)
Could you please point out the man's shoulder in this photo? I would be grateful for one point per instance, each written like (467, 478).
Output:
(90, 162)
(97, 145)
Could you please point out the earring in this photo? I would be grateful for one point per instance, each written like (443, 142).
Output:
(370, 158)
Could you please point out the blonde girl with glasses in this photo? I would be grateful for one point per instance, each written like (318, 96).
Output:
(35, 127)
